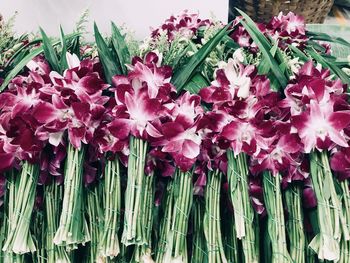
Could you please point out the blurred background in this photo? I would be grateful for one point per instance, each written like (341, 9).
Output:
(137, 15)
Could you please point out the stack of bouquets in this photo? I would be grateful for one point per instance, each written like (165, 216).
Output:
(209, 143)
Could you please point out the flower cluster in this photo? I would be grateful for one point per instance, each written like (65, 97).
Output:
(40, 107)
(184, 24)
(285, 30)
(318, 108)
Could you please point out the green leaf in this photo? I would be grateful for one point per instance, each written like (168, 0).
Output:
(297, 52)
(74, 46)
(121, 48)
(63, 62)
(49, 52)
(13, 73)
(22, 50)
(23, 62)
(197, 82)
(107, 57)
(230, 43)
(264, 46)
(331, 33)
(334, 69)
(185, 73)
(317, 46)
(264, 65)
(328, 38)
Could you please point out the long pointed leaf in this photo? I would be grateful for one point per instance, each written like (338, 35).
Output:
(120, 47)
(49, 52)
(63, 62)
(32, 43)
(334, 69)
(264, 46)
(327, 38)
(297, 52)
(13, 73)
(107, 58)
(197, 82)
(32, 54)
(185, 73)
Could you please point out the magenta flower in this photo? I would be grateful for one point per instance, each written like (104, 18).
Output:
(187, 107)
(142, 111)
(180, 135)
(184, 24)
(23, 95)
(340, 163)
(7, 159)
(76, 106)
(320, 127)
(281, 154)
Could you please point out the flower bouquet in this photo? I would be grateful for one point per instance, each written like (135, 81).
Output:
(205, 142)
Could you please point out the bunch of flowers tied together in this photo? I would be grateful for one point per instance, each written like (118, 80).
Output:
(139, 170)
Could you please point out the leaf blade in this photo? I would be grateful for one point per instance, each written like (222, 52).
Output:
(107, 58)
(121, 48)
(49, 52)
(185, 73)
(264, 46)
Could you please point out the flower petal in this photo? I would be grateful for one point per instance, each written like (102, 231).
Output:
(190, 149)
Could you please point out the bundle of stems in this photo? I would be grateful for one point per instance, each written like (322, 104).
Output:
(11, 192)
(295, 223)
(232, 251)
(199, 246)
(176, 222)
(53, 195)
(165, 224)
(95, 217)
(212, 218)
(133, 228)
(3, 225)
(39, 233)
(143, 252)
(345, 217)
(245, 217)
(109, 241)
(19, 239)
(326, 243)
(275, 214)
(73, 229)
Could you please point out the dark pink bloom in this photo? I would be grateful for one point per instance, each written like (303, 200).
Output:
(320, 126)
(184, 24)
(279, 156)
(340, 163)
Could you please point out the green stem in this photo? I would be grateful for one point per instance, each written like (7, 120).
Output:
(295, 223)
(72, 229)
(19, 239)
(345, 202)
(143, 252)
(230, 237)
(245, 217)
(39, 232)
(132, 232)
(52, 198)
(212, 218)
(199, 248)
(176, 246)
(10, 200)
(275, 213)
(165, 225)
(95, 216)
(326, 243)
(109, 243)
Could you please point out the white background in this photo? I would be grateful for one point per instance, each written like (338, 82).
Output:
(138, 15)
